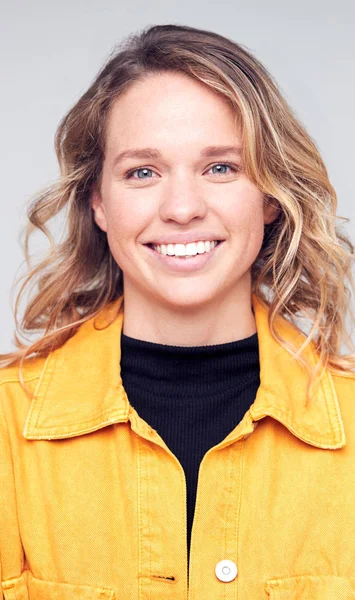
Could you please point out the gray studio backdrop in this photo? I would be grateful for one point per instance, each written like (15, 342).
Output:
(50, 52)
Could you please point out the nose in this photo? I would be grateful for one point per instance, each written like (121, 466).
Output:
(182, 200)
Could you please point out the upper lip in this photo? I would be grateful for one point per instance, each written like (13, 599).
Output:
(186, 238)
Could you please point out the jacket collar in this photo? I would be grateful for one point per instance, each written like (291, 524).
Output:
(80, 389)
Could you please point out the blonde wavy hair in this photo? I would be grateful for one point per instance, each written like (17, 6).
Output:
(303, 270)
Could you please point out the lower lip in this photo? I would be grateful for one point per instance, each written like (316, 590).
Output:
(184, 265)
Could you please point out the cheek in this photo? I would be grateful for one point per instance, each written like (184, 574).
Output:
(119, 235)
(125, 223)
(250, 232)
(121, 218)
(245, 214)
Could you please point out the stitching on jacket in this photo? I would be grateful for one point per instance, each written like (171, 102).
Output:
(139, 516)
(13, 477)
(284, 414)
(242, 466)
(3, 381)
(50, 358)
(91, 421)
(329, 383)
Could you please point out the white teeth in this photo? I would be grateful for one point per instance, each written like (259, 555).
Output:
(200, 247)
(191, 249)
(185, 250)
(180, 250)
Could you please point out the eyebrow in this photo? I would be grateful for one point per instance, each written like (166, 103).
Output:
(209, 152)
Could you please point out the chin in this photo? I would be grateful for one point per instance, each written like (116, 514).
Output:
(189, 300)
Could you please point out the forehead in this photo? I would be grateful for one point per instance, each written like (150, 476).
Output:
(171, 106)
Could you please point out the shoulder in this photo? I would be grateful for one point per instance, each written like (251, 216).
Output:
(344, 385)
(16, 392)
(345, 392)
(31, 370)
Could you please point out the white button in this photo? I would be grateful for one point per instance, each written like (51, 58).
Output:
(226, 570)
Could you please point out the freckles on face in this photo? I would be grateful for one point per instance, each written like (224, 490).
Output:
(242, 210)
(125, 221)
(237, 212)
(183, 193)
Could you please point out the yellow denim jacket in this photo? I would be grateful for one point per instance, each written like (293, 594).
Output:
(93, 502)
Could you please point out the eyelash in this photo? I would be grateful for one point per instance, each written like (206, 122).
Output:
(129, 174)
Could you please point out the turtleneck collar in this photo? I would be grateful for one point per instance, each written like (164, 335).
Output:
(196, 369)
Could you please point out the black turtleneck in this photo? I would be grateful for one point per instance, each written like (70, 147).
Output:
(192, 396)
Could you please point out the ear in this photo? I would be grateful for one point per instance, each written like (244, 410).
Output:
(271, 209)
(99, 209)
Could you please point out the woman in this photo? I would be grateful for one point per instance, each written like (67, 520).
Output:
(183, 426)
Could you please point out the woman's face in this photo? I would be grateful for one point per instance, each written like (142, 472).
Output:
(183, 191)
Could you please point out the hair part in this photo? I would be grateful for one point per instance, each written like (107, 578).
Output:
(303, 270)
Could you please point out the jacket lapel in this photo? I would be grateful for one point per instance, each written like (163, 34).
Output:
(80, 387)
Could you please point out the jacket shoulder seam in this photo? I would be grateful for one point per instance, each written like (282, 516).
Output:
(17, 380)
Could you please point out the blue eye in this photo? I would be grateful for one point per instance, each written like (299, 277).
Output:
(130, 174)
(222, 165)
(146, 170)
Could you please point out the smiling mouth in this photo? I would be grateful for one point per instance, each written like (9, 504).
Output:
(184, 256)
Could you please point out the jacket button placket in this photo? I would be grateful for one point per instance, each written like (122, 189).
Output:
(162, 522)
(214, 543)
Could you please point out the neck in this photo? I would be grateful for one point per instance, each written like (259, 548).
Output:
(225, 320)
